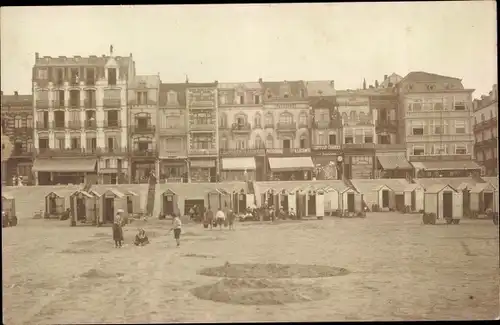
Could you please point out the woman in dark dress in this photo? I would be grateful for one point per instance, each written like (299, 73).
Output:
(117, 228)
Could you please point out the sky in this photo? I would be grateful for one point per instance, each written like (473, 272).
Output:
(240, 43)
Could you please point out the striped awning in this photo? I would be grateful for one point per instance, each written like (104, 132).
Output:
(396, 161)
(240, 163)
(447, 165)
(291, 163)
(65, 165)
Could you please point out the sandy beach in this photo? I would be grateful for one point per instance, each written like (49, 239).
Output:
(396, 269)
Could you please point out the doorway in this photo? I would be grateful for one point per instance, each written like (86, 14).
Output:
(488, 201)
(350, 202)
(213, 175)
(400, 202)
(188, 204)
(311, 205)
(447, 205)
(284, 202)
(385, 199)
(130, 205)
(242, 202)
(80, 209)
(465, 201)
(109, 209)
(168, 204)
(286, 144)
(413, 200)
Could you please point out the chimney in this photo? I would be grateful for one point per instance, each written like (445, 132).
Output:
(216, 82)
(260, 80)
(130, 54)
(332, 84)
(385, 77)
(16, 93)
(37, 55)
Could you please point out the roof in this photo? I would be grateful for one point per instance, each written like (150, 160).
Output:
(291, 185)
(7, 196)
(236, 85)
(54, 193)
(64, 164)
(201, 85)
(479, 187)
(453, 181)
(369, 185)
(179, 88)
(436, 188)
(394, 161)
(420, 79)
(320, 88)
(81, 61)
(149, 81)
(87, 194)
(492, 180)
(447, 165)
(130, 193)
(115, 192)
(276, 90)
(17, 100)
(412, 186)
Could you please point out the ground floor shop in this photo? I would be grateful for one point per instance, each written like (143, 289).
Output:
(173, 170)
(203, 170)
(238, 169)
(454, 168)
(326, 167)
(392, 165)
(63, 170)
(291, 168)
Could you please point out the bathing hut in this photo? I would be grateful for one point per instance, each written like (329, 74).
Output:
(133, 203)
(483, 196)
(445, 202)
(268, 197)
(169, 203)
(55, 205)
(225, 198)
(111, 201)
(386, 198)
(214, 198)
(331, 200)
(313, 201)
(83, 207)
(9, 207)
(239, 201)
(414, 198)
(351, 201)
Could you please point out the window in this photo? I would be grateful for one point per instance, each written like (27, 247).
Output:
(60, 143)
(223, 143)
(256, 99)
(438, 106)
(286, 95)
(107, 163)
(415, 107)
(418, 150)
(440, 149)
(203, 118)
(368, 138)
(303, 119)
(222, 99)
(332, 139)
(91, 144)
(240, 120)
(269, 142)
(112, 118)
(302, 93)
(202, 142)
(259, 144)
(241, 144)
(460, 127)
(111, 143)
(286, 118)
(223, 120)
(480, 156)
(29, 121)
(459, 106)
(349, 139)
(112, 76)
(75, 143)
(74, 98)
(43, 73)
(18, 122)
(241, 99)
(172, 98)
(257, 120)
(417, 128)
(436, 127)
(303, 142)
(43, 143)
(460, 149)
(384, 139)
(59, 119)
(358, 136)
(143, 145)
(487, 154)
(321, 139)
(142, 97)
(269, 120)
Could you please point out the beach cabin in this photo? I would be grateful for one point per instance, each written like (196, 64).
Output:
(445, 202)
(111, 201)
(169, 203)
(414, 198)
(268, 197)
(133, 203)
(82, 205)
(9, 207)
(386, 198)
(351, 201)
(331, 200)
(319, 199)
(214, 198)
(225, 198)
(239, 202)
(55, 205)
(483, 196)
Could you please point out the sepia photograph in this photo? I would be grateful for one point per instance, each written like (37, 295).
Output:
(283, 162)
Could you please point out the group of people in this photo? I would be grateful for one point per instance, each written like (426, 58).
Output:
(220, 218)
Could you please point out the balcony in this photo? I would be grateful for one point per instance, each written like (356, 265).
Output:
(110, 151)
(449, 114)
(58, 125)
(286, 127)
(144, 153)
(268, 125)
(75, 125)
(439, 158)
(202, 127)
(241, 128)
(89, 124)
(74, 104)
(90, 82)
(112, 124)
(288, 151)
(202, 152)
(89, 103)
(173, 130)
(172, 154)
(386, 125)
(142, 129)
(484, 125)
(22, 131)
(49, 153)
(323, 125)
(439, 138)
(490, 143)
(42, 125)
(20, 153)
(58, 104)
(358, 146)
(42, 104)
(242, 152)
(111, 103)
(257, 126)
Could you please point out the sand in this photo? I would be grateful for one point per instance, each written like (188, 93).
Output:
(398, 269)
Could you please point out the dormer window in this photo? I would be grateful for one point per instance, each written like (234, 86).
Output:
(112, 76)
(431, 87)
(172, 98)
(241, 99)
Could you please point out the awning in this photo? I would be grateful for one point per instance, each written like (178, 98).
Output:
(395, 161)
(65, 165)
(203, 163)
(446, 165)
(291, 163)
(241, 163)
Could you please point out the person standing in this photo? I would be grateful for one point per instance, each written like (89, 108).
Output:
(231, 216)
(177, 227)
(220, 217)
(117, 228)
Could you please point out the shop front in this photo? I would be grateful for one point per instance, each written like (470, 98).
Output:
(325, 159)
(64, 170)
(359, 161)
(393, 165)
(443, 168)
(173, 170)
(203, 170)
(238, 169)
(291, 168)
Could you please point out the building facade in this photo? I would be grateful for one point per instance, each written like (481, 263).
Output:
(143, 97)
(486, 132)
(81, 118)
(437, 124)
(202, 136)
(17, 125)
(241, 132)
(172, 133)
(326, 128)
(287, 130)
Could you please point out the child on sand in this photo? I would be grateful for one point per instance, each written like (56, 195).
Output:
(141, 239)
(177, 226)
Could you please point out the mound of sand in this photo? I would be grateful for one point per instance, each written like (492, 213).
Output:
(273, 271)
(258, 292)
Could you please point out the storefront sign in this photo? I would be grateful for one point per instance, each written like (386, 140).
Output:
(291, 151)
(245, 152)
(327, 147)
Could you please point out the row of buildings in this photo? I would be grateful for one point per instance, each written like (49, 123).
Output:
(95, 117)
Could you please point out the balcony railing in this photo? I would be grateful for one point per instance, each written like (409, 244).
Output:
(42, 125)
(58, 104)
(303, 125)
(492, 142)
(257, 126)
(90, 82)
(202, 152)
(144, 153)
(67, 152)
(22, 130)
(269, 125)
(242, 152)
(60, 125)
(383, 125)
(19, 153)
(142, 129)
(111, 103)
(112, 123)
(202, 127)
(87, 103)
(172, 153)
(75, 125)
(286, 126)
(42, 104)
(394, 146)
(322, 125)
(485, 124)
(173, 130)
(74, 104)
(106, 151)
(358, 146)
(287, 151)
(90, 124)
(241, 128)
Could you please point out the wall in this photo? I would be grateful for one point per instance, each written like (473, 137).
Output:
(295, 109)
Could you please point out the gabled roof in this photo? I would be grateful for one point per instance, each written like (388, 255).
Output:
(480, 187)
(85, 193)
(7, 196)
(115, 192)
(436, 188)
(383, 186)
(412, 186)
(54, 193)
(426, 77)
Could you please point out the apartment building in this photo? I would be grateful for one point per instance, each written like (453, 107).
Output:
(437, 124)
(202, 137)
(172, 133)
(287, 130)
(241, 131)
(326, 128)
(143, 98)
(486, 132)
(17, 125)
(81, 118)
